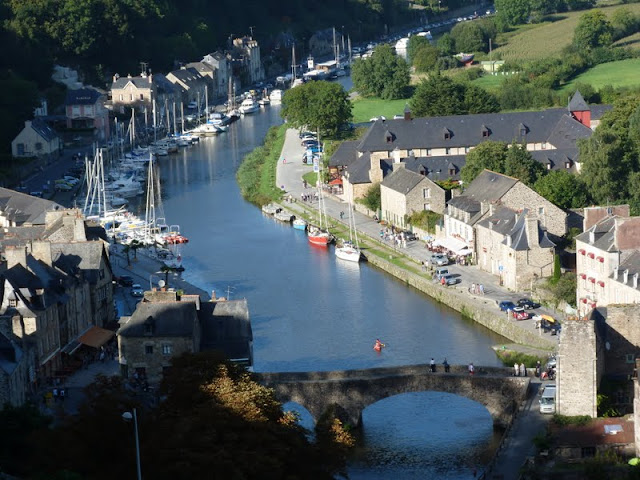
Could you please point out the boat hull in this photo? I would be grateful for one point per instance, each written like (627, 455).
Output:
(349, 254)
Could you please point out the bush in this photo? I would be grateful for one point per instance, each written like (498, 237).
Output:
(509, 357)
(371, 200)
(563, 420)
(425, 219)
(564, 289)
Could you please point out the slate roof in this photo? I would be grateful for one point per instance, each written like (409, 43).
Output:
(604, 234)
(167, 319)
(577, 103)
(201, 67)
(631, 262)
(467, 130)
(187, 75)
(487, 187)
(510, 223)
(139, 82)
(86, 256)
(567, 131)
(345, 155)
(10, 355)
(164, 86)
(82, 96)
(557, 158)
(402, 180)
(437, 168)
(598, 110)
(21, 208)
(44, 130)
(225, 326)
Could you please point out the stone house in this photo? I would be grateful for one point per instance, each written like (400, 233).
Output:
(404, 192)
(601, 435)
(192, 84)
(37, 139)
(136, 92)
(148, 339)
(15, 372)
(513, 247)
(18, 209)
(494, 189)
(549, 135)
(246, 56)
(85, 109)
(608, 261)
(226, 327)
(222, 72)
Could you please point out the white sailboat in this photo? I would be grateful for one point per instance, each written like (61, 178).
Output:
(350, 249)
(319, 234)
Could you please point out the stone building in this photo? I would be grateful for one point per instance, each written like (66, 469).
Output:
(138, 92)
(246, 61)
(404, 192)
(608, 260)
(16, 374)
(192, 84)
(85, 109)
(512, 246)
(222, 72)
(37, 139)
(488, 191)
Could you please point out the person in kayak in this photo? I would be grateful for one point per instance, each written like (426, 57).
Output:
(378, 346)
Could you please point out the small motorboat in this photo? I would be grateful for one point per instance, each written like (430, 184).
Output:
(283, 216)
(271, 209)
(299, 224)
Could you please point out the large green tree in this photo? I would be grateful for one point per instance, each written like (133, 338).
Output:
(513, 12)
(593, 30)
(520, 164)
(438, 96)
(479, 100)
(384, 74)
(321, 105)
(473, 36)
(563, 189)
(488, 155)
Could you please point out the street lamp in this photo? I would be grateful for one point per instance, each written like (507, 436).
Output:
(128, 416)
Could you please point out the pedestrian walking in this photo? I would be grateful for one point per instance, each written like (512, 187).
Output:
(446, 366)
(55, 394)
(538, 368)
(284, 160)
(516, 370)
(481, 289)
(62, 394)
(433, 365)
(523, 370)
(472, 369)
(473, 288)
(341, 215)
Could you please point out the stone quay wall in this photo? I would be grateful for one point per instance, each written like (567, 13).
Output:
(480, 310)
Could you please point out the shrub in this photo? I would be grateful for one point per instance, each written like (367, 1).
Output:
(426, 220)
(564, 420)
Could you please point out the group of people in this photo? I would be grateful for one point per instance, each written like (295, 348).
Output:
(445, 364)
(519, 370)
(399, 239)
(309, 197)
(476, 289)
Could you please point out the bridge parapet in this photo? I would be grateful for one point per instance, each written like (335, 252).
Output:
(354, 390)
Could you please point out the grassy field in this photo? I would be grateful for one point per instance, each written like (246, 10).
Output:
(632, 42)
(367, 108)
(624, 73)
(547, 38)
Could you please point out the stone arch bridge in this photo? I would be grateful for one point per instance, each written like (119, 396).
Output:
(354, 390)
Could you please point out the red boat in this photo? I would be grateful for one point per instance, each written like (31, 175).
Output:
(319, 237)
(176, 239)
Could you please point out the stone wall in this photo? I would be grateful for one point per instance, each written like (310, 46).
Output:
(623, 338)
(415, 198)
(483, 311)
(553, 218)
(577, 369)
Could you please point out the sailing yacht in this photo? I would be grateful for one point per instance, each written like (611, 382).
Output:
(350, 250)
(319, 234)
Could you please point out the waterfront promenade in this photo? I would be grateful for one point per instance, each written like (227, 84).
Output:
(289, 177)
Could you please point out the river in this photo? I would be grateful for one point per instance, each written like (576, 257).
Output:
(311, 312)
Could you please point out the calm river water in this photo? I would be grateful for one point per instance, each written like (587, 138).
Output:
(311, 312)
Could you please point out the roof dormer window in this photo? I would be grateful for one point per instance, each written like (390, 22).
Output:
(548, 166)
(523, 130)
(567, 164)
(388, 137)
(485, 131)
(447, 133)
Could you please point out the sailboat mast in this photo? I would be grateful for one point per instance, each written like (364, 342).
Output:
(182, 116)
(175, 128)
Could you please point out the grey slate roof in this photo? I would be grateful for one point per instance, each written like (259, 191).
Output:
(345, 155)
(510, 223)
(44, 130)
(85, 256)
(203, 68)
(467, 130)
(604, 238)
(402, 180)
(139, 82)
(567, 131)
(164, 86)
(225, 326)
(437, 168)
(577, 103)
(82, 96)
(598, 110)
(187, 75)
(22, 208)
(10, 355)
(358, 171)
(173, 319)
(557, 158)
(487, 187)
(630, 262)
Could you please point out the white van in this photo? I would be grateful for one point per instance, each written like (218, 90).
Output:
(441, 272)
(548, 400)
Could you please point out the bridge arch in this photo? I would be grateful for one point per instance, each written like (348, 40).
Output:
(353, 390)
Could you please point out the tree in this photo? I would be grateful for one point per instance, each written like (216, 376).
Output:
(593, 30)
(317, 105)
(425, 57)
(447, 44)
(513, 12)
(438, 96)
(624, 23)
(520, 164)
(580, 4)
(563, 189)
(478, 100)
(470, 37)
(488, 155)
(415, 43)
(383, 75)
(372, 199)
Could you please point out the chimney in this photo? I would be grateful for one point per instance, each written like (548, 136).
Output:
(79, 233)
(532, 231)
(508, 240)
(16, 256)
(396, 155)
(635, 280)
(213, 295)
(615, 273)
(128, 75)
(41, 250)
(625, 276)
(407, 113)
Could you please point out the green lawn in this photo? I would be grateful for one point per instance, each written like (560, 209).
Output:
(489, 82)
(548, 38)
(624, 73)
(632, 41)
(367, 108)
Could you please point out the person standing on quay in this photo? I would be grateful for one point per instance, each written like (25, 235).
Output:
(516, 370)
(433, 365)
(472, 369)
(446, 365)
(523, 370)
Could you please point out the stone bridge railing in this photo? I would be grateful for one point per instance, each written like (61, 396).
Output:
(354, 390)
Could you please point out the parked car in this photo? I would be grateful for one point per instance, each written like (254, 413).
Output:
(521, 314)
(506, 305)
(73, 181)
(375, 119)
(314, 149)
(450, 279)
(310, 143)
(398, 117)
(125, 280)
(136, 290)
(439, 259)
(527, 303)
(63, 187)
(36, 194)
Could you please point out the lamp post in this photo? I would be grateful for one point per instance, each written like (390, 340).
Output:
(128, 416)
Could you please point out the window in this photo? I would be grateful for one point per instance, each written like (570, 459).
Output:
(466, 149)
(141, 96)
(148, 349)
(410, 153)
(167, 349)
(630, 358)
(544, 145)
(148, 328)
(131, 97)
(540, 210)
(20, 147)
(121, 97)
(588, 452)
(38, 146)
(452, 172)
(426, 193)
(427, 206)
(13, 302)
(548, 166)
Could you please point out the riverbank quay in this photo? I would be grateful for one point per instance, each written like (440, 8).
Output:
(406, 263)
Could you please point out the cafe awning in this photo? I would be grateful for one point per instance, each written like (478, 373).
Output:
(336, 181)
(96, 337)
(456, 246)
